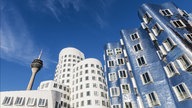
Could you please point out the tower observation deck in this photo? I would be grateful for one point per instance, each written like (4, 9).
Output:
(36, 65)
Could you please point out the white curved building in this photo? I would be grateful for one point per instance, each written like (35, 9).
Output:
(78, 83)
(68, 57)
(88, 85)
(63, 90)
(84, 77)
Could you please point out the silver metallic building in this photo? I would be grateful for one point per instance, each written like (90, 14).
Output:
(157, 58)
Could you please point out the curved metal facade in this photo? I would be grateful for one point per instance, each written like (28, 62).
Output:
(158, 81)
(158, 58)
(183, 46)
(121, 98)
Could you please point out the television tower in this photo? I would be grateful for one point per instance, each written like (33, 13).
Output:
(36, 65)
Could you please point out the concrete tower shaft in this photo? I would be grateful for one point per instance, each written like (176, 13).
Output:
(36, 65)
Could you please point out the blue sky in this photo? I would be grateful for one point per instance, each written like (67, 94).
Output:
(27, 26)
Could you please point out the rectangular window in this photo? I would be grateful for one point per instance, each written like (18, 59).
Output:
(86, 65)
(55, 85)
(111, 63)
(102, 94)
(87, 78)
(134, 36)
(81, 95)
(143, 25)
(182, 12)
(42, 102)
(80, 79)
(120, 61)
(97, 102)
(82, 103)
(96, 93)
(166, 12)
(31, 101)
(125, 88)
(137, 47)
(146, 78)
(182, 92)
(188, 37)
(112, 76)
(7, 101)
(109, 52)
(116, 106)
(101, 86)
(118, 51)
(141, 61)
(103, 103)
(86, 71)
(64, 104)
(157, 29)
(152, 99)
(92, 65)
(147, 18)
(122, 73)
(99, 79)
(178, 23)
(162, 51)
(171, 69)
(60, 86)
(88, 93)
(87, 85)
(169, 44)
(77, 104)
(114, 91)
(128, 105)
(152, 36)
(94, 85)
(93, 78)
(19, 101)
(88, 102)
(185, 62)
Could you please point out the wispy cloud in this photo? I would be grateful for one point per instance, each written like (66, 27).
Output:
(59, 8)
(100, 21)
(16, 43)
(56, 7)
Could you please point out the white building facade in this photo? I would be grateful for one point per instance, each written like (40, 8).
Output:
(78, 83)
(88, 85)
(68, 58)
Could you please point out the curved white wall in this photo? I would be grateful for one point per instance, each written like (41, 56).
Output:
(84, 77)
(88, 85)
(68, 57)
(64, 91)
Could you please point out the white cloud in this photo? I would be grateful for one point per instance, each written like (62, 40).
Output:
(16, 43)
(100, 21)
(52, 6)
(58, 8)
